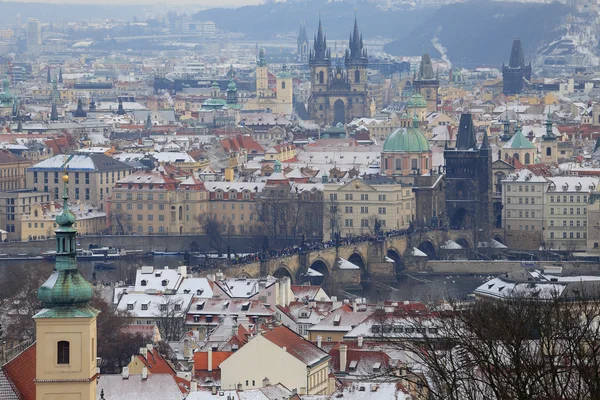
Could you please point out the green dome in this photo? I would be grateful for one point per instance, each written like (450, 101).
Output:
(215, 85)
(416, 100)
(406, 140)
(232, 86)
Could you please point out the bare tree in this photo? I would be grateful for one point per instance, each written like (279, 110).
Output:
(116, 222)
(521, 348)
(214, 230)
(170, 318)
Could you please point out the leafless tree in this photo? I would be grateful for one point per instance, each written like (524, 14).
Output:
(170, 318)
(116, 222)
(518, 348)
(214, 230)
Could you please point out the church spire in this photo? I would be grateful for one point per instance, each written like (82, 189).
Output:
(54, 112)
(66, 293)
(320, 54)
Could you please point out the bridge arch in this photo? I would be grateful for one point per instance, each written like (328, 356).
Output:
(357, 259)
(427, 247)
(282, 272)
(321, 266)
(395, 255)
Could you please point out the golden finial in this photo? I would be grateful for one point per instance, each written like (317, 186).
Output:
(65, 178)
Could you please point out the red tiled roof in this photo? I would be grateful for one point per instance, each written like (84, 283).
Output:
(295, 345)
(21, 372)
(156, 364)
(201, 359)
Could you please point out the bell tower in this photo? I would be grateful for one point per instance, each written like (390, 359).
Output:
(356, 61)
(320, 60)
(66, 325)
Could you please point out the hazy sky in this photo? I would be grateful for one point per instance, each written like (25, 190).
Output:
(207, 3)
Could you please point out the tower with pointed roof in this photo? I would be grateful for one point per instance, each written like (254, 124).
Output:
(262, 76)
(54, 112)
(338, 95)
(468, 182)
(426, 83)
(302, 44)
(79, 112)
(549, 144)
(66, 325)
(516, 72)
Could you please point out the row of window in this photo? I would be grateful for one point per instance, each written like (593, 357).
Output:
(364, 223)
(522, 188)
(571, 199)
(572, 223)
(570, 211)
(364, 210)
(571, 235)
(521, 214)
(365, 196)
(522, 200)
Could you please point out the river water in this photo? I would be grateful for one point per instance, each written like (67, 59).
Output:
(408, 287)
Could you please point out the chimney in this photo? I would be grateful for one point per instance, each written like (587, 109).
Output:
(266, 382)
(144, 373)
(125, 373)
(239, 387)
(182, 271)
(319, 341)
(210, 360)
(213, 389)
(144, 352)
(343, 357)
(193, 386)
(360, 341)
(150, 347)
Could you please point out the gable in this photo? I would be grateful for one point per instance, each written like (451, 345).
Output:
(255, 349)
(362, 186)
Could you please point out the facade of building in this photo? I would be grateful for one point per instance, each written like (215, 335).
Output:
(516, 71)
(91, 176)
(278, 355)
(12, 171)
(566, 212)
(338, 94)
(14, 206)
(469, 182)
(40, 224)
(361, 205)
(151, 202)
(523, 214)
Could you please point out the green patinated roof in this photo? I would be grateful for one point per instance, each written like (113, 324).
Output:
(416, 100)
(231, 86)
(214, 102)
(518, 141)
(66, 293)
(406, 140)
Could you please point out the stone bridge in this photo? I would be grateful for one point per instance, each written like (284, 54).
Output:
(382, 259)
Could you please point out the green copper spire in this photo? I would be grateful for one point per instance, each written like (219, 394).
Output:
(66, 293)
(262, 62)
(549, 136)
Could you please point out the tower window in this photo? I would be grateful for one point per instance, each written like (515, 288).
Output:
(283, 85)
(548, 151)
(321, 77)
(357, 76)
(63, 352)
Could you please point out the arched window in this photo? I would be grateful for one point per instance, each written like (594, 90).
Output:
(35, 213)
(180, 213)
(321, 77)
(516, 156)
(63, 352)
(357, 76)
(283, 85)
(548, 151)
(527, 158)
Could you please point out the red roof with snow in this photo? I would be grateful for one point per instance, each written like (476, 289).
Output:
(21, 372)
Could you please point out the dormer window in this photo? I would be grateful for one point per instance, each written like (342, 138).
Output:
(177, 307)
(163, 307)
(352, 366)
(145, 306)
(164, 282)
(130, 306)
(200, 306)
(377, 367)
(144, 282)
(199, 292)
(246, 306)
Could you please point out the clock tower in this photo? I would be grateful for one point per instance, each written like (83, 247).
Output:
(427, 84)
